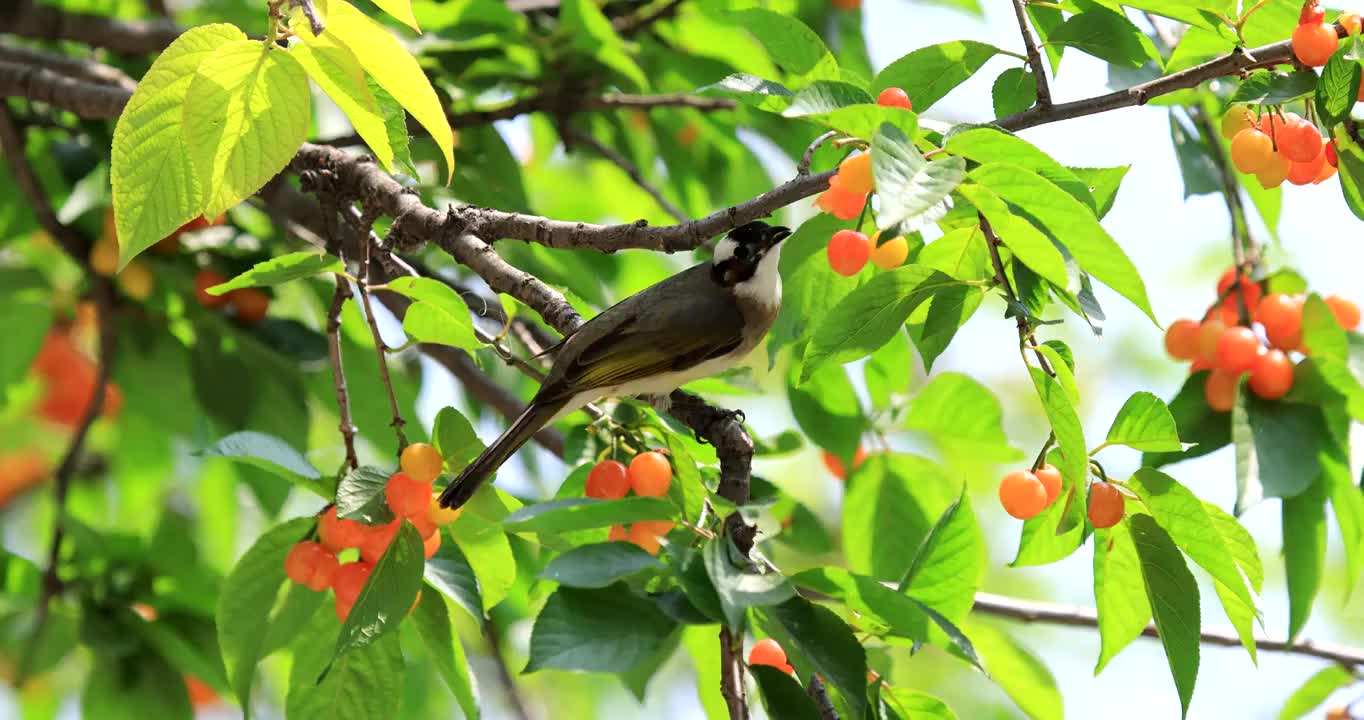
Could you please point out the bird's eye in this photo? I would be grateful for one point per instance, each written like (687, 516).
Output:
(743, 252)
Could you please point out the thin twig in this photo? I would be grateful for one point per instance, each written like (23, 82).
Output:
(803, 167)
(1039, 72)
(818, 693)
(628, 25)
(338, 373)
(622, 162)
(518, 706)
(1055, 614)
(381, 350)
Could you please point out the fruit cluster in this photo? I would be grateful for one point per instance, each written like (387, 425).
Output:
(409, 495)
(1026, 493)
(248, 305)
(649, 475)
(1315, 40)
(769, 652)
(1229, 348)
(1278, 146)
(69, 379)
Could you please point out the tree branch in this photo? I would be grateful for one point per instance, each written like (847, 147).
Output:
(1039, 72)
(381, 349)
(818, 693)
(128, 37)
(632, 24)
(1053, 614)
(338, 373)
(629, 168)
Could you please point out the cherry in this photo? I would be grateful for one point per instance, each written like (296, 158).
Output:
(1181, 339)
(1274, 172)
(200, 694)
(1249, 290)
(1306, 173)
(646, 534)
(1327, 170)
(406, 496)
(310, 564)
(350, 580)
(1251, 150)
(1199, 364)
(894, 97)
(339, 533)
(104, 256)
(1272, 376)
(251, 304)
(1281, 316)
(849, 252)
(1238, 118)
(609, 480)
(1022, 494)
(1208, 335)
(422, 462)
(839, 202)
(847, 5)
(1050, 478)
(854, 174)
(618, 533)
(1315, 43)
(425, 527)
(889, 254)
(431, 544)
(1237, 350)
(1220, 390)
(1350, 21)
(1346, 312)
(136, 281)
(1105, 505)
(377, 539)
(767, 652)
(203, 280)
(1330, 148)
(835, 466)
(441, 516)
(1299, 141)
(1311, 13)
(650, 474)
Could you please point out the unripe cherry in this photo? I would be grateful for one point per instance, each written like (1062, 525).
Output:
(1251, 150)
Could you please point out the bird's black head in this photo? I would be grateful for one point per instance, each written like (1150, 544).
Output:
(738, 254)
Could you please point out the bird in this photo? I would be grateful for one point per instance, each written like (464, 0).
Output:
(691, 325)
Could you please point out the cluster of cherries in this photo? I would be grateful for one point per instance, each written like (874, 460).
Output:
(1229, 349)
(849, 188)
(409, 495)
(1026, 493)
(1277, 147)
(649, 475)
(1315, 40)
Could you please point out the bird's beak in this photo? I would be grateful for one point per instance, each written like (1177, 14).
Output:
(776, 234)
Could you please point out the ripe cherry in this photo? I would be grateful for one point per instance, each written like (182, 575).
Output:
(847, 5)
(406, 496)
(1327, 169)
(1350, 21)
(767, 652)
(1220, 390)
(889, 254)
(1346, 312)
(1208, 335)
(650, 474)
(618, 533)
(1330, 148)
(646, 534)
(1299, 141)
(1306, 173)
(1181, 339)
(849, 252)
(425, 527)
(839, 202)
(1050, 478)
(311, 565)
(203, 280)
(1105, 505)
(1238, 118)
(894, 97)
(350, 580)
(422, 462)
(1315, 43)
(1274, 172)
(1022, 494)
(1281, 316)
(1251, 150)
(441, 516)
(835, 466)
(608, 480)
(1272, 376)
(104, 256)
(251, 305)
(338, 533)
(1200, 364)
(854, 174)
(1249, 290)
(431, 544)
(1237, 350)
(377, 539)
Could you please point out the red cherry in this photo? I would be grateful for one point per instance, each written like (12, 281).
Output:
(608, 480)
(1237, 350)
(849, 252)
(1272, 376)
(894, 97)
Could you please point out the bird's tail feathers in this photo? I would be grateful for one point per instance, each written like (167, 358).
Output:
(529, 422)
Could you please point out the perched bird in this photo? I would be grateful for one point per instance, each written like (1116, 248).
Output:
(689, 326)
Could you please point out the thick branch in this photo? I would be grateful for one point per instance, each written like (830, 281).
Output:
(1039, 612)
(1039, 72)
(129, 37)
(73, 67)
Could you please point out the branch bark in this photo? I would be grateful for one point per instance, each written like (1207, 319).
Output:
(31, 19)
(338, 372)
(1039, 71)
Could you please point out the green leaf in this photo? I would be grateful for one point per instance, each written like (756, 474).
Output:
(338, 72)
(455, 438)
(1320, 330)
(929, 73)
(174, 639)
(914, 705)
(1107, 35)
(1338, 88)
(963, 419)
(483, 543)
(367, 683)
(887, 372)
(1350, 161)
(273, 455)
(752, 91)
(360, 496)
(1069, 222)
(1197, 423)
(247, 111)
(1315, 691)
(1275, 88)
(1017, 671)
(960, 253)
(245, 602)
(1103, 185)
(1173, 594)
(599, 630)
(400, 9)
(810, 288)
(827, 410)
(739, 583)
(599, 564)
(392, 67)
(870, 315)
(790, 43)
(825, 96)
(1304, 553)
(388, 594)
(24, 322)
(558, 516)
(892, 495)
(829, 644)
(438, 314)
(782, 695)
(991, 144)
(395, 126)
(1277, 447)
(912, 191)
(950, 561)
(933, 324)
(1014, 91)
(1242, 547)
(590, 31)
(450, 574)
(1058, 531)
(432, 618)
(155, 188)
(1145, 423)
(137, 686)
(280, 270)
(1029, 244)
(1119, 595)
(1347, 504)
(1196, 165)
